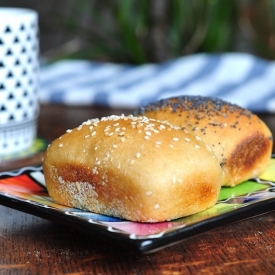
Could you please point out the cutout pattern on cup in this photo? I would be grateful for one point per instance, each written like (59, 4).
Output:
(18, 83)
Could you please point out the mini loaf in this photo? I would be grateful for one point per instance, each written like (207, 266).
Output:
(240, 140)
(133, 168)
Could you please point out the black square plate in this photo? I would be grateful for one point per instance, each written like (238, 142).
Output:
(25, 191)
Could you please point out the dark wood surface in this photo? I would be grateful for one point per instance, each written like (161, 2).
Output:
(31, 245)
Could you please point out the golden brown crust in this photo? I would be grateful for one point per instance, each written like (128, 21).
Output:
(240, 140)
(133, 168)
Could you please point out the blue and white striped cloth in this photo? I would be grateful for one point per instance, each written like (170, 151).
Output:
(236, 77)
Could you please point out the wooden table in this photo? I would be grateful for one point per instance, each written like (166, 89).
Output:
(31, 245)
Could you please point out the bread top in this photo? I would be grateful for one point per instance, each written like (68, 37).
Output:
(140, 169)
(241, 141)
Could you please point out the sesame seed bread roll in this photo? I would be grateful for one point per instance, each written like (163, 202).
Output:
(240, 139)
(133, 168)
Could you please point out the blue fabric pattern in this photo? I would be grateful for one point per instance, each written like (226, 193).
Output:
(235, 77)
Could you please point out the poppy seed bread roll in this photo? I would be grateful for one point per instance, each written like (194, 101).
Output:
(133, 168)
(240, 139)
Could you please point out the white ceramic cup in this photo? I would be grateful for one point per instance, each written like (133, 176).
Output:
(19, 76)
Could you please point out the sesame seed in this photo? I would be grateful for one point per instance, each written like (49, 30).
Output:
(172, 146)
(132, 161)
(60, 145)
(197, 138)
(121, 134)
(88, 122)
(122, 139)
(95, 148)
(157, 142)
(176, 139)
(156, 206)
(69, 131)
(97, 162)
(148, 133)
(173, 180)
(117, 129)
(187, 139)
(149, 193)
(60, 180)
(197, 146)
(86, 136)
(114, 146)
(146, 137)
(139, 131)
(116, 124)
(91, 127)
(95, 170)
(93, 133)
(138, 155)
